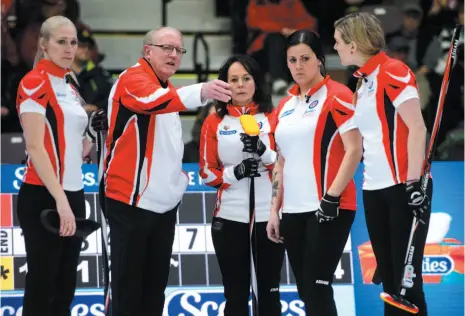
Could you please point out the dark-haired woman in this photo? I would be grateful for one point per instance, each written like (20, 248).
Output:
(225, 166)
(313, 187)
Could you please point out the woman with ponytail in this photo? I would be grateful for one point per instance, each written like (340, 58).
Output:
(313, 188)
(388, 115)
(54, 124)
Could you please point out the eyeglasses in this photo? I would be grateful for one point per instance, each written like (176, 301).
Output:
(167, 49)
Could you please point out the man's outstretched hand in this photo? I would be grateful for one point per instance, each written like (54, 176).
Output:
(216, 89)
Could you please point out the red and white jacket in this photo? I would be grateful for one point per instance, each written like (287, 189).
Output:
(308, 135)
(144, 147)
(221, 150)
(44, 90)
(386, 84)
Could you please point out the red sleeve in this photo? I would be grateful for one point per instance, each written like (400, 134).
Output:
(399, 82)
(142, 95)
(258, 17)
(211, 168)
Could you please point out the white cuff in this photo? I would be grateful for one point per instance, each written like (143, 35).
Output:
(347, 126)
(228, 175)
(268, 157)
(408, 93)
(190, 96)
(31, 106)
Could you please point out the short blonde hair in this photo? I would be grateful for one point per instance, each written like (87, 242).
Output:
(364, 29)
(48, 27)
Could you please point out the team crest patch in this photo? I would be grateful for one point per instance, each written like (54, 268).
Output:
(312, 106)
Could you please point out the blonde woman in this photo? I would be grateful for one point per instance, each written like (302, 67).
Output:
(54, 123)
(388, 115)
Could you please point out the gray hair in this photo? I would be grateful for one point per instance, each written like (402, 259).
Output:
(148, 38)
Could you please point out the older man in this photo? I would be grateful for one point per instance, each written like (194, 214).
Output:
(143, 179)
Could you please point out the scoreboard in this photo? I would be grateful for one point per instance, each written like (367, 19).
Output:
(193, 262)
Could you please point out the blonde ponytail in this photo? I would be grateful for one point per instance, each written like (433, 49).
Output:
(39, 54)
(359, 84)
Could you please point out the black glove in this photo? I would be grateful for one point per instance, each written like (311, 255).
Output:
(98, 122)
(252, 144)
(418, 201)
(248, 168)
(329, 208)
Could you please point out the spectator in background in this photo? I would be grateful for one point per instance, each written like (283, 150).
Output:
(424, 49)
(269, 23)
(439, 13)
(451, 133)
(191, 149)
(25, 46)
(424, 52)
(94, 82)
(237, 9)
(398, 48)
(452, 118)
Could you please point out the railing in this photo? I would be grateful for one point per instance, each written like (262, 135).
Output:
(202, 71)
(164, 13)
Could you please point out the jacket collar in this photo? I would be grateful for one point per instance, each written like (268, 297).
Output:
(295, 89)
(149, 69)
(52, 68)
(237, 110)
(371, 65)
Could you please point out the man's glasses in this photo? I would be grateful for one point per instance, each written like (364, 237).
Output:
(167, 49)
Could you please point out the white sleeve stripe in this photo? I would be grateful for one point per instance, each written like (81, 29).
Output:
(210, 175)
(348, 105)
(31, 106)
(404, 79)
(190, 96)
(347, 126)
(408, 93)
(30, 92)
(150, 98)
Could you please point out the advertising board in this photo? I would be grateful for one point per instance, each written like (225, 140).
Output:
(195, 282)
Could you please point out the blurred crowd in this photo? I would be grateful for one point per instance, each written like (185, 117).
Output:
(418, 32)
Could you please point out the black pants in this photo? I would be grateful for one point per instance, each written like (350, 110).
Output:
(141, 247)
(389, 221)
(232, 247)
(314, 251)
(51, 260)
